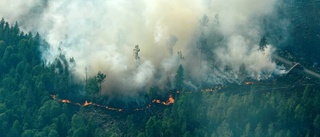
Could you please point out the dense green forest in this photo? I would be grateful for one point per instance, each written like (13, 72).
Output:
(278, 107)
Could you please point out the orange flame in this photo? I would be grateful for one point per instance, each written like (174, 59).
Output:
(65, 101)
(169, 101)
(248, 83)
(86, 103)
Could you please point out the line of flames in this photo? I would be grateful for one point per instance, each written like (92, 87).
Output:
(154, 101)
(248, 83)
(87, 103)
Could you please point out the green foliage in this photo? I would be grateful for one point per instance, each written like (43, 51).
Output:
(25, 107)
(179, 78)
(100, 78)
(92, 86)
(253, 113)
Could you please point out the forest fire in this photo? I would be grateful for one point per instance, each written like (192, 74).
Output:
(86, 103)
(169, 101)
(248, 83)
(65, 101)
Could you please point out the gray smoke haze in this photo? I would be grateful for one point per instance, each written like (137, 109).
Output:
(216, 37)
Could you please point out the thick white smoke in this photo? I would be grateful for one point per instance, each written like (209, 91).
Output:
(101, 35)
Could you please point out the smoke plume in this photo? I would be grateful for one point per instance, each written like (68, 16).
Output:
(219, 39)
